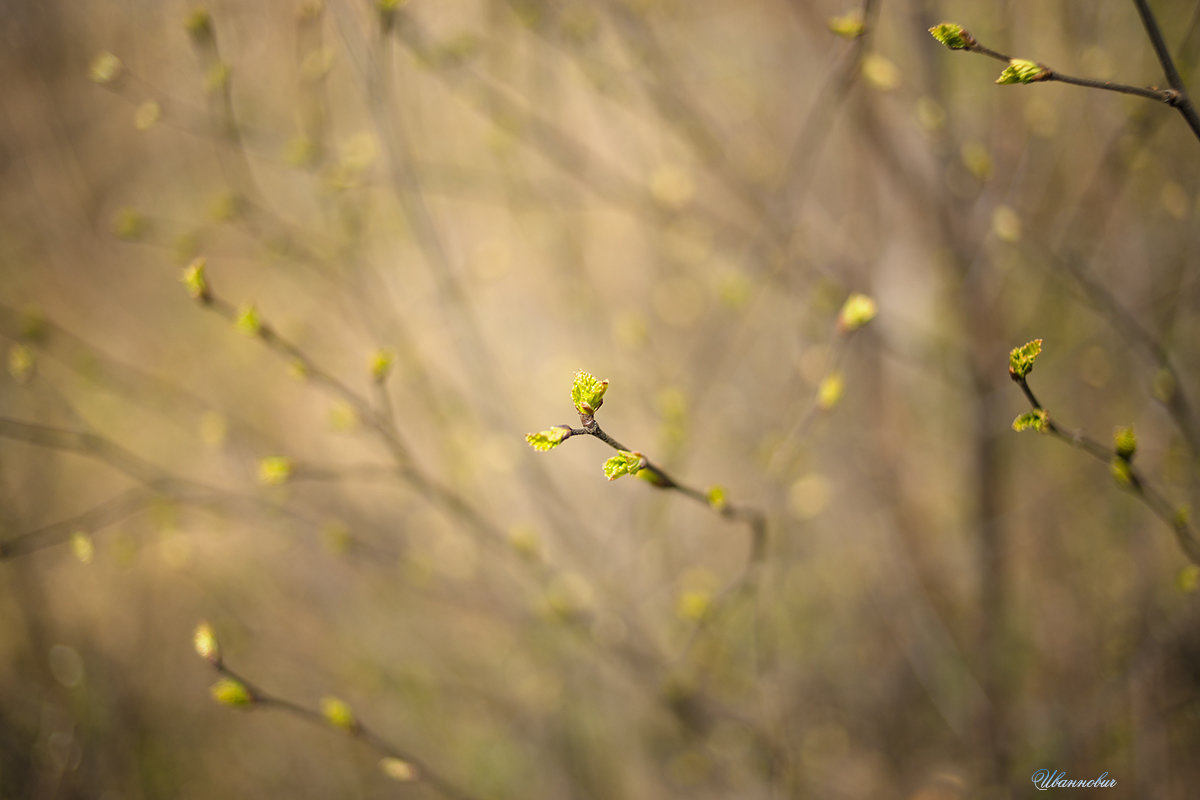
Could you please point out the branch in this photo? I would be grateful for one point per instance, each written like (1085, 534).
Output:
(1119, 457)
(1182, 101)
(1020, 70)
(235, 691)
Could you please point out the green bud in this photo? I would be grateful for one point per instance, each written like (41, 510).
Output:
(274, 470)
(848, 26)
(547, 439)
(717, 499)
(199, 25)
(653, 477)
(693, 605)
(1020, 359)
(1125, 443)
(1121, 471)
(82, 547)
(953, 36)
(1031, 420)
(248, 321)
(857, 311)
(105, 68)
(829, 393)
(196, 282)
(230, 692)
(204, 640)
(381, 364)
(587, 393)
(1021, 71)
(623, 463)
(338, 713)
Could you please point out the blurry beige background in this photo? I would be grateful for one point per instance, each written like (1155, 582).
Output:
(678, 197)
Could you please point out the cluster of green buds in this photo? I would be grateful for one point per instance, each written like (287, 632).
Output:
(587, 395)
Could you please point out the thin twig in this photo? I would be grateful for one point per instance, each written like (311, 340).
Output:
(1182, 101)
(1136, 482)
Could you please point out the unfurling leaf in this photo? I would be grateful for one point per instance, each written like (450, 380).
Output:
(857, 311)
(549, 438)
(229, 692)
(1031, 420)
(1020, 359)
(587, 393)
(1125, 443)
(1020, 70)
(953, 36)
(623, 463)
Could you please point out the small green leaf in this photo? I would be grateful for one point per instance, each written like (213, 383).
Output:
(548, 439)
(1125, 443)
(204, 640)
(274, 470)
(587, 393)
(857, 311)
(338, 713)
(1031, 420)
(248, 321)
(195, 280)
(1020, 359)
(953, 36)
(1020, 70)
(623, 463)
(848, 26)
(230, 692)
